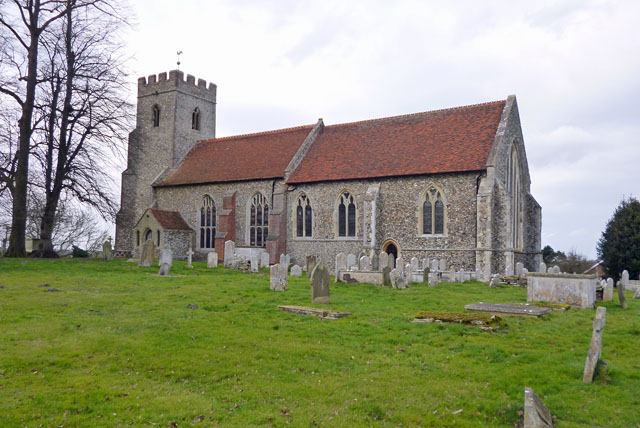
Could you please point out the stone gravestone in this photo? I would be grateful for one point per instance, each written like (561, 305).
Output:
(189, 255)
(536, 414)
(254, 263)
(311, 264)
(375, 263)
(296, 270)
(624, 278)
(392, 261)
(442, 265)
(320, 285)
(285, 259)
(212, 259)
(550, 269)
(107, 251)
(623, 299)
(434, 265)
(595, 348)
(229, 252)
(415, 264)
(542, 268)
(425, 274)
(508, 270)
(637, 294)
(365, 263)
(408, 273)
(556, 269)
(166, 260)
(386, 278)
(351, 261)
(607, 290)
(146, 258)
(383, 260)
(425, 264)
(433, 279)
(519, 269)
(278, 278)
(397, 279)
(495, 280)
(401, 264)
(341, 264)
(264, 259)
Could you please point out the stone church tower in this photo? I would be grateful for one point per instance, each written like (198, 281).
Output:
(172, 115)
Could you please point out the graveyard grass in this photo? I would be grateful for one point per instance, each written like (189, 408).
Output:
(118, 346)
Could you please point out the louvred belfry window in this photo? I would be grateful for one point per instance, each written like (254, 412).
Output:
(258, 221)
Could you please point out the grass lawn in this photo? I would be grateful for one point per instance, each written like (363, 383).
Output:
(118, 347)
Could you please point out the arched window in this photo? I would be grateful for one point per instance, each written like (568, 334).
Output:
(207, 223)
(158, 233)
(195, 119)
(513, 189)
(258, 221)
(346, 215)
(137, 238)
(433, 212)
(148, 235)
(156, 116)
(303, 217)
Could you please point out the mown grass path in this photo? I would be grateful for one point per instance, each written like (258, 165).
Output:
(119, 347)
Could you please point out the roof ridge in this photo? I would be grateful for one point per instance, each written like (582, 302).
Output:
(256, 134)
(401, 116)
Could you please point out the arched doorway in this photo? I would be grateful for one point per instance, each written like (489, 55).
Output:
(148, 234)
(391, 247)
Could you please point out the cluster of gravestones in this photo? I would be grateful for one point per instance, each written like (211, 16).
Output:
(318, 276)
(233, 260)
(621, 286)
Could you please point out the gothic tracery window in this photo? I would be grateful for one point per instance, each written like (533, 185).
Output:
(304, 217)
(207, 223)
(513, 189)
(433, 213)
(195, 119)
(156, 116)
(258, 221)
(346, 215)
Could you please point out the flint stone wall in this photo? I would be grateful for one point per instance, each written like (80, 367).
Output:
(574, 290)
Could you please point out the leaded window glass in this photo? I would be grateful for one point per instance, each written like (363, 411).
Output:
(258, 221)
(346, 215)
(207, 223)
(433, 213)
(303, 217)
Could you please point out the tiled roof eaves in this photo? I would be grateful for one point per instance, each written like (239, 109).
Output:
(256, 134)
(205, 183)
(381, 177)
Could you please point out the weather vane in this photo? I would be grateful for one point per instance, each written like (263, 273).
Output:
(179, 53)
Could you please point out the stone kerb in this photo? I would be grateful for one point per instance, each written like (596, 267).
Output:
(570, 289)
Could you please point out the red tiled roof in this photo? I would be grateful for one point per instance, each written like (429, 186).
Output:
(239, 158)
(451, 140)
(170, 219)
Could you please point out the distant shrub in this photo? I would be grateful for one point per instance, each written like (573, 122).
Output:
(79, 253)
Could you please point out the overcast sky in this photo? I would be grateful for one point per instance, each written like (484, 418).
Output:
(573, 65)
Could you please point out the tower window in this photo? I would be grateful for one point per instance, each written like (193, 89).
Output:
(195, 119)
(156, 116)
(346, 215)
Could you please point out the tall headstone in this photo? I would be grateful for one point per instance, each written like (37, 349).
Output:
(383, 259)
(433, 279)
(311, 263)
(607, 290)
(624, 278)
(166, 260)
(254, 263)
(435, 266)
(442, 265)
(320, 285)
(264, 259)
(146, 258)
(425, 264)
(595, 348)
(107, 251)
(212, 259)
(386, 278)
(623, 299)
(229, 252)
(401, 264)
(397, 279)
(408, 273)
(296, 270)
(536, 414)
(351, 261)
(392, 261)
(341, 264)
(425, 274)
(542, 268)
(365, 263)
(189, 256)
(519, 269)
(415, 264)
(375, 263)
(278, 277)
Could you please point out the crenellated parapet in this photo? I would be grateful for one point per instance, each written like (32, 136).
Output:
(161, 82)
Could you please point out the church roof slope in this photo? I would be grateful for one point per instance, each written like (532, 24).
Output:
(238, 158)
(170, 219)
(452, 140)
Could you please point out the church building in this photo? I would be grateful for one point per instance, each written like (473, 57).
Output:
(450, 184)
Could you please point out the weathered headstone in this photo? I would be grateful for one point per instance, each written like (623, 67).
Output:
(425, 274)
(386, 278)
(383, 260)
(434, 265)
(623, 299)
(285, 260)
(536, 414)
(556, 269)
(229, 252)
(550, 269)
(425, 264)
(296, 270)
(365, 263)
(107, 251)
(637, 294)
(442, 265)
(351, 261)
(495, 280)
(264, 259)
(320, 285)
(341, 264)
(433, 279)
(189, 256)
(508, 270)
(400, 265)
(311, 263)
(397, 279)
(146, 258)
(375, 263)
(408, 273)
(212, 259)
(543, 267)
(415, 264)
(595, 348)
(278, 277)
(624, 278)
(254, 263)
(392, 261)
(607, 290)
(166, 260)
(519, 269)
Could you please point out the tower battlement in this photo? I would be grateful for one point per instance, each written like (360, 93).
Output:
(174, 79)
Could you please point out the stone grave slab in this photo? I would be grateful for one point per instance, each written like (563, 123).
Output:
(316, 312)
(516, 310)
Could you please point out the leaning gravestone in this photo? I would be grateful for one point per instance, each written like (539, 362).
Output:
(311, 263)
(320, 285)
(264, 259)
(296, 270)
(212, 259)
(165, 261)
(278, 278)
(386, 278)
(107, 251)
(383, 260)
(229, 252)
(365, 263)
(146, 258)
(623, 299)
(254, 263)
(595, 349)
(398, 279)
(536, 414)
(607, 290)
